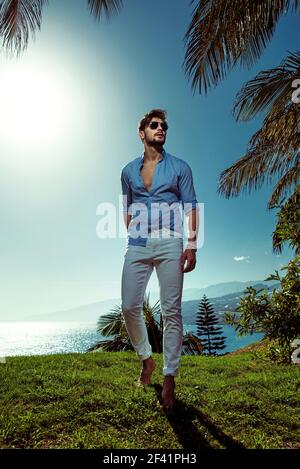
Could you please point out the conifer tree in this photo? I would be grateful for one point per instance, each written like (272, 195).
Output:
(208, 331)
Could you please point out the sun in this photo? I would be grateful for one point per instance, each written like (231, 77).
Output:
(35, 107)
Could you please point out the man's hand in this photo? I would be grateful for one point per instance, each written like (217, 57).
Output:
(188, 255)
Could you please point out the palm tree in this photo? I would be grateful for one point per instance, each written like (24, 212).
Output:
(274, 148)
(113, 325)
(223, 34)
(19, 18)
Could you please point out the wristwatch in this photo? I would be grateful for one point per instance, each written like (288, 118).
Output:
(192, 244)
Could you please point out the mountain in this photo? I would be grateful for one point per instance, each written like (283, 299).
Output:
(221, 289)
(85, 313)
(221, 304)
(223, 296)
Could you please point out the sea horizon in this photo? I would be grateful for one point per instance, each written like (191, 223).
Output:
(24, 338)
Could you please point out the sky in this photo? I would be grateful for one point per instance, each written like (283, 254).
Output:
(68, 118)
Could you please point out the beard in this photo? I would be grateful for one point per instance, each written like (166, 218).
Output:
(155, 142)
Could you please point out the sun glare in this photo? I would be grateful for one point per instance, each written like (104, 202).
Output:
(35, 107)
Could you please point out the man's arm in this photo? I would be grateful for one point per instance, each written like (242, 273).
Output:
(127, 198)
(190, 207)
(189, 253)
(192, 228)
(127, 219)
(189, 199)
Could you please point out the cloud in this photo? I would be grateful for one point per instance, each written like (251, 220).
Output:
(241, 258)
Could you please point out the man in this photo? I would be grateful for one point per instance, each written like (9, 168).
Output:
(154, 186)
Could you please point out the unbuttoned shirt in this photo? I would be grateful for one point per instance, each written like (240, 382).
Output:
(159, 208)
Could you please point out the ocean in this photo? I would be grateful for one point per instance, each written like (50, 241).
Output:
(44, 338)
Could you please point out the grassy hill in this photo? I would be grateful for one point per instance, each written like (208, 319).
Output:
(239, 400)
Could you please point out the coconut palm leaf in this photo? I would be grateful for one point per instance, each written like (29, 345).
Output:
(118, 344)
(270, 90)
(260, 165)
(288, 181)
(191, 345)
(223, 33)
(20, 18)
(112, 323)
(108, 6)
(273, 150)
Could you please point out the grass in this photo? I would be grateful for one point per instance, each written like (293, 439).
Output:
(91, 401)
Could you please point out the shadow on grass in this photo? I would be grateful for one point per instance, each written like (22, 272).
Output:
(182, 421)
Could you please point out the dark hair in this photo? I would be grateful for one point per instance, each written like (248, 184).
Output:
(147, 117)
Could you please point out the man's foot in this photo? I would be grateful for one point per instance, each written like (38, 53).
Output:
(168, 395)
(146, 371)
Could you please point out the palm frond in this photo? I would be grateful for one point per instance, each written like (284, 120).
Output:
(288, 182)
(257, 167)
(223, 33)
(273, 151)
(269, 90)
(109, 7)
(117, 344)
(112, 323)
(19, 18)
(191, 345)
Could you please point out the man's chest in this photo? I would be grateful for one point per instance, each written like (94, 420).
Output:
(154, 179)
(147, 174)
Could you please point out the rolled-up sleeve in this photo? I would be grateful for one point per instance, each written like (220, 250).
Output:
(126, 192)
(186, 188)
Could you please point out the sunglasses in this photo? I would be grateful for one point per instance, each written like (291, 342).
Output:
(154, 125)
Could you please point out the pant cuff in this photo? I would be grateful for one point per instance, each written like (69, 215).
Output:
(143, 357)
(169, 372)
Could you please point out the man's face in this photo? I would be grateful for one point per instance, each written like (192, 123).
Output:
(154, 136)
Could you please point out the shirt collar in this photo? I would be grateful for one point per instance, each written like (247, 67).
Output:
(163, 154)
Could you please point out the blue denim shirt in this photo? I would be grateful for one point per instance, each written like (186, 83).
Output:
(172, 186)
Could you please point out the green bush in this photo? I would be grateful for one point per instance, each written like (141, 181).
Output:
(276, 315)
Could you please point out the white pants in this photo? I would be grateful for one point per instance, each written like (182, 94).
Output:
(163, 254)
